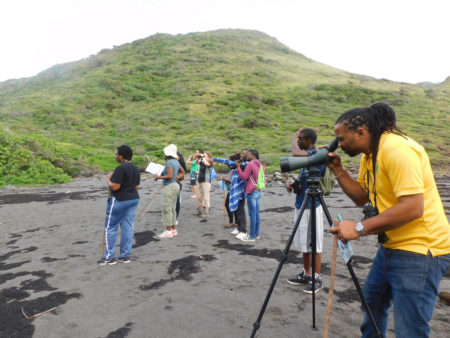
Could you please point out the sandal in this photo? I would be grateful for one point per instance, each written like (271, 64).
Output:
(229, 225)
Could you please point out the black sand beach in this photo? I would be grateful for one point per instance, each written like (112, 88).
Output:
(202, 283)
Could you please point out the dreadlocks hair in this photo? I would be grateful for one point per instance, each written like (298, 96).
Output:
(377, 118)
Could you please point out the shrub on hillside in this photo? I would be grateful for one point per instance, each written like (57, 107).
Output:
(23, 162)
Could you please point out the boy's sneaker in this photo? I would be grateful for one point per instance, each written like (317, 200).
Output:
(246, 238)
(241, 235)
(234, 232)
(124, 260)
(166, 234)
(317, 285)
(301, 278)
(258, 237)
(111, 261)
(174, 232)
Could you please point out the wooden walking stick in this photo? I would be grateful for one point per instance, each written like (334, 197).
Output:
(103, 242)
(147, 208)
(37, 314)
(330, 293)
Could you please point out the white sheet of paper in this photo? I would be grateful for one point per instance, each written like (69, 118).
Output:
(154, 168)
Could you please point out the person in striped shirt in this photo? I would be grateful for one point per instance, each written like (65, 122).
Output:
(237, 195)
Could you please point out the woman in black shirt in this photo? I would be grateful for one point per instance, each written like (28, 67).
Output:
(121, 206)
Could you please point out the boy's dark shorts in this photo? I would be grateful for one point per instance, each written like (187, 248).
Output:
(193, 178)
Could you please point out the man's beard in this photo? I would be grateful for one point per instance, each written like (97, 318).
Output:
(351, 153)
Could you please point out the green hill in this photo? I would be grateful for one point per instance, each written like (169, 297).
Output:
(220, 90)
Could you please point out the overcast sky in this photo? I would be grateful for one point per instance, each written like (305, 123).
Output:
(405, 41)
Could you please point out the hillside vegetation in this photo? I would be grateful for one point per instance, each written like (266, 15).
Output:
(220, 90)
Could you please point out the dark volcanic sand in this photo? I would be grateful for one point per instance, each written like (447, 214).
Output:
(202, 283)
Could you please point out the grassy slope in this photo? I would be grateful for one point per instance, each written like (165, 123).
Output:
(219, 90)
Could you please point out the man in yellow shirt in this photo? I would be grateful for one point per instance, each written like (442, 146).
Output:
(395, 177)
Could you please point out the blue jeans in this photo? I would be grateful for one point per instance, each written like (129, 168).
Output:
(253, 212)
(119, 213)
(408, 280)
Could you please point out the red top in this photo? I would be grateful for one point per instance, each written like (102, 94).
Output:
(250, 175)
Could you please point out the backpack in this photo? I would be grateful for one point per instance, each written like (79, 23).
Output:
(213, 173)
(327, 182)
(261, 182)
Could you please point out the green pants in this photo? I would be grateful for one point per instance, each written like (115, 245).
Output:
(169, 212)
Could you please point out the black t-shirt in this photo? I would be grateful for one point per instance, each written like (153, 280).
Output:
(128, 176)
(204, 173)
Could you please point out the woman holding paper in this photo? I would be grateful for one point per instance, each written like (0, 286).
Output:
(172, 171)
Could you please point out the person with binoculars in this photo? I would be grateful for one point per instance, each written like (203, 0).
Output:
(193, 174)
(236, 201)
(205, 162)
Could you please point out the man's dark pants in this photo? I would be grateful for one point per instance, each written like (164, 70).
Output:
(240, 216)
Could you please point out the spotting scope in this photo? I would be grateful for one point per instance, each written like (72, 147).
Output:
(320, 156)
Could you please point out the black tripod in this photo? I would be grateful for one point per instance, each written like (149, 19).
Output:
(312, 193)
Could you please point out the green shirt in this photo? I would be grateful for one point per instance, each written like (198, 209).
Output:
(194, 167)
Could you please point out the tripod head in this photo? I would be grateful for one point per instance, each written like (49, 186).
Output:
(312, 181)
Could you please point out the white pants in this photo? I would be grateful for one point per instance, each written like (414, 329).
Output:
(302, 238)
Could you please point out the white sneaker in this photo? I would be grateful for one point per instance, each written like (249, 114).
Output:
(240, 235)
(174, 232)
(247, 239)
(166, 234)
(234, 232)
(176, 222)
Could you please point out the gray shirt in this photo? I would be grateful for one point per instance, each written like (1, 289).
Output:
(172, 163)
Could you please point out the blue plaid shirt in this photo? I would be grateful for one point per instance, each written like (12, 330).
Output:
(237, 185)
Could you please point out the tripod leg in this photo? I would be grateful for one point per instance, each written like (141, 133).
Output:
(283, 258)
(363, 300)
(325, 210)
(352, 273)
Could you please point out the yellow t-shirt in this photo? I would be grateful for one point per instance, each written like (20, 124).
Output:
(403, 168)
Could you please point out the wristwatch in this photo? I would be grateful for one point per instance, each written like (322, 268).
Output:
(359, 228)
